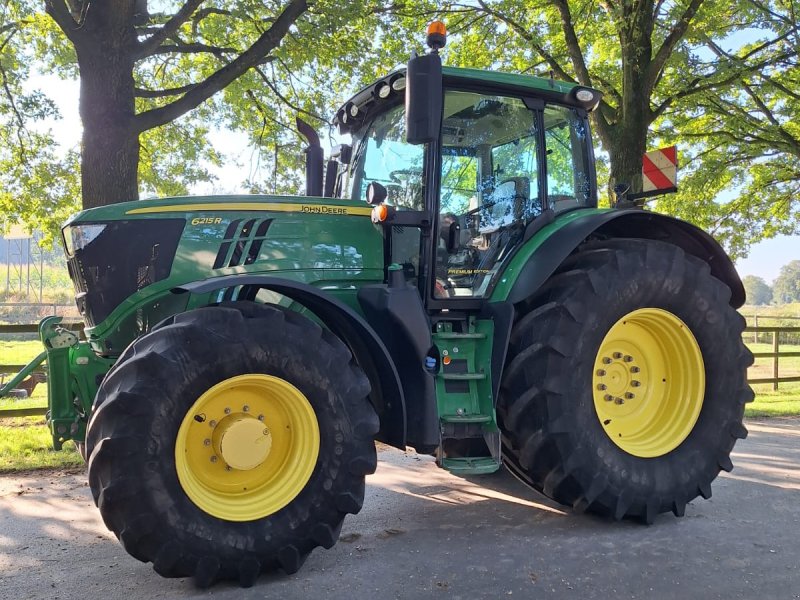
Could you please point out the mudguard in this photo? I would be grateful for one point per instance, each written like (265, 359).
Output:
(621, 223)
(367, 348)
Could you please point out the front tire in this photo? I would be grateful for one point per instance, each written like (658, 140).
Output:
(229, 441)
(625, 385)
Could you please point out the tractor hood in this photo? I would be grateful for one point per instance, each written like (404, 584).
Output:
(121, 256)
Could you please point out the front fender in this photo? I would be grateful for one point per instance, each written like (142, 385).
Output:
(539, 258)
(367, 348)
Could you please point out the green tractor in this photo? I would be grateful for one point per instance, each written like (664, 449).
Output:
(447, 283)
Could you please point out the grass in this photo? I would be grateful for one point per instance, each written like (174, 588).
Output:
(25, 444)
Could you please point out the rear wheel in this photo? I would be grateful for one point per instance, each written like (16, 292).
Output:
(229, 441)
(625, 385)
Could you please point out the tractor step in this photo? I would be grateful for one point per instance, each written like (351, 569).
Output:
(462, 376)
(465, 418)
(471, 466)
(451, 335)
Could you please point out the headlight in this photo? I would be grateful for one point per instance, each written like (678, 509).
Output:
(76, 237)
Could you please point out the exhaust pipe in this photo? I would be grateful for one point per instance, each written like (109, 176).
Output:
(314, 159)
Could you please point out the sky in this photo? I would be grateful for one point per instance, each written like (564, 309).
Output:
(764, 260)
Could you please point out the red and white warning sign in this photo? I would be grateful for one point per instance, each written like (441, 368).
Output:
(660, 170)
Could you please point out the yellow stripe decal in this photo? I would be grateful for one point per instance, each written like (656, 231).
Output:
(314, 209)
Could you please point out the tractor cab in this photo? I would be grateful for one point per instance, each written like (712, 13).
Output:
(501, 156)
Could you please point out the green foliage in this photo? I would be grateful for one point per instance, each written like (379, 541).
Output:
(758, 292)
(787, 286)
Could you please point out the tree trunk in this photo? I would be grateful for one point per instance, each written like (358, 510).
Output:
(625, 156)
(630, 140)
(110, 153)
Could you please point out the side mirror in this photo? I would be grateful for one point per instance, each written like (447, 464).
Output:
(424, 99)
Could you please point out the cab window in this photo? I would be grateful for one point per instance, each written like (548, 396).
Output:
(489, 188)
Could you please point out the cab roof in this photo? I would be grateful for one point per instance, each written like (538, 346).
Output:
(366, 100)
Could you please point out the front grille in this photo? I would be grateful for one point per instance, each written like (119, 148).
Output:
(124, 258)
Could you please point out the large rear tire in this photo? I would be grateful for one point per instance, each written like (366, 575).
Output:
(625, 385)
(229, 441)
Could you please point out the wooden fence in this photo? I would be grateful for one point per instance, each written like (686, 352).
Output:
(775, 355)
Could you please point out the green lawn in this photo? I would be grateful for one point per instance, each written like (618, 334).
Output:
(25, 443)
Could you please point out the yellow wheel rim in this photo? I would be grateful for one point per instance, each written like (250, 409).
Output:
(649, 382)
(247, 447)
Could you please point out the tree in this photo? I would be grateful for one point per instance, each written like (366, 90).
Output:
(743, 138)
(647, 57)
(113, 41)
(757, 290)
(787, 286)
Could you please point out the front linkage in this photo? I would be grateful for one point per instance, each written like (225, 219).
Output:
(74, 373)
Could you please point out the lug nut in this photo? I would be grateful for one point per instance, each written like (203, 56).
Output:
(619, 400)
(629, 396)
(627, 358)
(601, 386)
(635, 383)
(635, 369)
(617, 355)
(212, 423)
(213, 459)
(606, 360)
(227, 411)
(260, 417)
(245, 408)
(601, 372)
(608, 397)
(228, 468)
(206, 442)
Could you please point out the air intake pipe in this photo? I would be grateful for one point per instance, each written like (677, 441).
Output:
(314, 159)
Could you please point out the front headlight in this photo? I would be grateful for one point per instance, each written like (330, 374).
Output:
(76, 237)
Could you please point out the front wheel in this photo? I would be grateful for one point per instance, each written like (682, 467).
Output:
(625, 385)
(229, 441)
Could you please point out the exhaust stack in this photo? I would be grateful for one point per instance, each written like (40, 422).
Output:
(314, 159)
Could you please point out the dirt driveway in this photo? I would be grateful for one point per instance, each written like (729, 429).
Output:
(427, 534)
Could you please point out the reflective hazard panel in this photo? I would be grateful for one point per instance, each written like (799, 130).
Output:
(660, 170)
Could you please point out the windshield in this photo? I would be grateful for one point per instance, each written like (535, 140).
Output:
(382, 155)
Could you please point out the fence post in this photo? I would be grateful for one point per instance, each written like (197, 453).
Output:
(755, 333)
(775, 360)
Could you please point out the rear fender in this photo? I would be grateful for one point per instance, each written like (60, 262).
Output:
(632, 223)
(367, 348)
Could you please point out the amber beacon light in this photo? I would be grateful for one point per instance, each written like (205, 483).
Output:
(437, 35)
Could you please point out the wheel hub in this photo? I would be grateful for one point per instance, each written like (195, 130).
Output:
(242, 441)
(247, 447)
(648, 382)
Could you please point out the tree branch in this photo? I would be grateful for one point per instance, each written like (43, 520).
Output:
(148, 45)
(573, 45)
(693, 88)
(184, 48)
(265, 44)
(525, 34)
(176, 91)
(285, 100)
(675, 35)
(61, 14)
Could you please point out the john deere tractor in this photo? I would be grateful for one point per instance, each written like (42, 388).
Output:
(447, 283)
